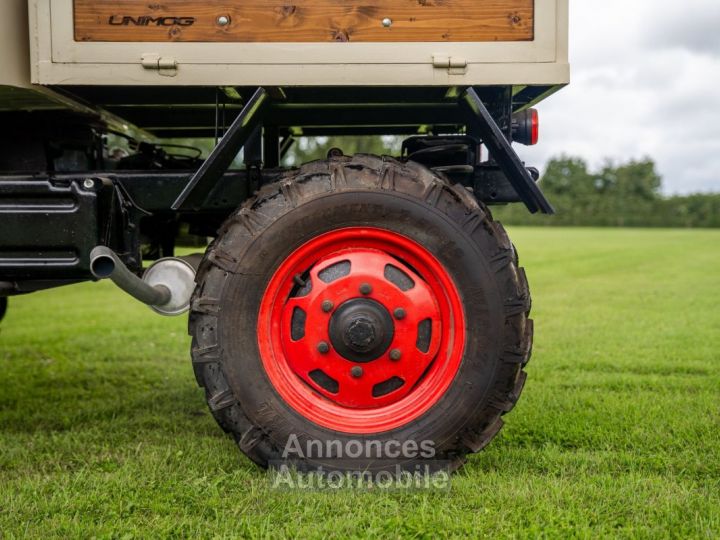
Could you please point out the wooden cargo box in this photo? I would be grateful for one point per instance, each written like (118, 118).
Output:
(299, 42)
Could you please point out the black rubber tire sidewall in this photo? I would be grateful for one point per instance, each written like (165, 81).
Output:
(466, 401)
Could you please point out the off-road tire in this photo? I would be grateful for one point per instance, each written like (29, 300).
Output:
(363, 190)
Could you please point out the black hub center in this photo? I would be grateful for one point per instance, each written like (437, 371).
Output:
(361, 330)
(360, 335)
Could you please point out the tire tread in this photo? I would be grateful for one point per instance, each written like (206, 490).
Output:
(362, 171)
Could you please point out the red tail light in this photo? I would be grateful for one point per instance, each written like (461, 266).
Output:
(535, 131)
(526, 127)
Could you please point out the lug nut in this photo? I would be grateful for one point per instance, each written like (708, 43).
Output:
(395, 354)
(356, 371)
(365, 288)
(327, 306)
(323, 347)
(88, 183)
(399, 313)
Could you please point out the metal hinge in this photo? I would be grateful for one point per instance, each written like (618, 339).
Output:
(165, 65)
(455, 65)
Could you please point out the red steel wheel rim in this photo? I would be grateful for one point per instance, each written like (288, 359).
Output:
(361, 330)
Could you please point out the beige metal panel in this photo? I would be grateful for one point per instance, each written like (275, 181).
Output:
(16, 91)
(542, 61)
(14, 43)
(563, 38)
(40, 35)
(309, 75)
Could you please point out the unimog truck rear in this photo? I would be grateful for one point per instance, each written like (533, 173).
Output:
(353, 298)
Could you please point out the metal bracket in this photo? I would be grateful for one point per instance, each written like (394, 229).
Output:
(165, 65)
(454, 64)
(217, 163)
(506, 158)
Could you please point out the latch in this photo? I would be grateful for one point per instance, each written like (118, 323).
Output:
(165, 65)
(454, 64)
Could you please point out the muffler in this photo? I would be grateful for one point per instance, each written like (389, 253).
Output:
(166, 286)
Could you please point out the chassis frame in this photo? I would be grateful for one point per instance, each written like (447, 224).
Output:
(52, 220)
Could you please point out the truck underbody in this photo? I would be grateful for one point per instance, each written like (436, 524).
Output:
(130, 209)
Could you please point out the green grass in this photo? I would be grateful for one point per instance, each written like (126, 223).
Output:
(104, 432)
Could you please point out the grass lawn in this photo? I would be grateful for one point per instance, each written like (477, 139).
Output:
(103, 431)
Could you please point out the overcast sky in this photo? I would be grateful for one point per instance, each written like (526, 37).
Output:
(645, 82)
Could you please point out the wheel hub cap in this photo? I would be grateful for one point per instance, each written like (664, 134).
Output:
(361, 330)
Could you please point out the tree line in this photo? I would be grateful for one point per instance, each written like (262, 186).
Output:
(618, 195)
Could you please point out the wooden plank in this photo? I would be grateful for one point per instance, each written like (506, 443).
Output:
(304, 20)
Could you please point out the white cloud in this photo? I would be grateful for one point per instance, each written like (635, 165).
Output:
(645, 80)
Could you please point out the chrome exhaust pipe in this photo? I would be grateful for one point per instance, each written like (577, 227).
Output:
(166, 286)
